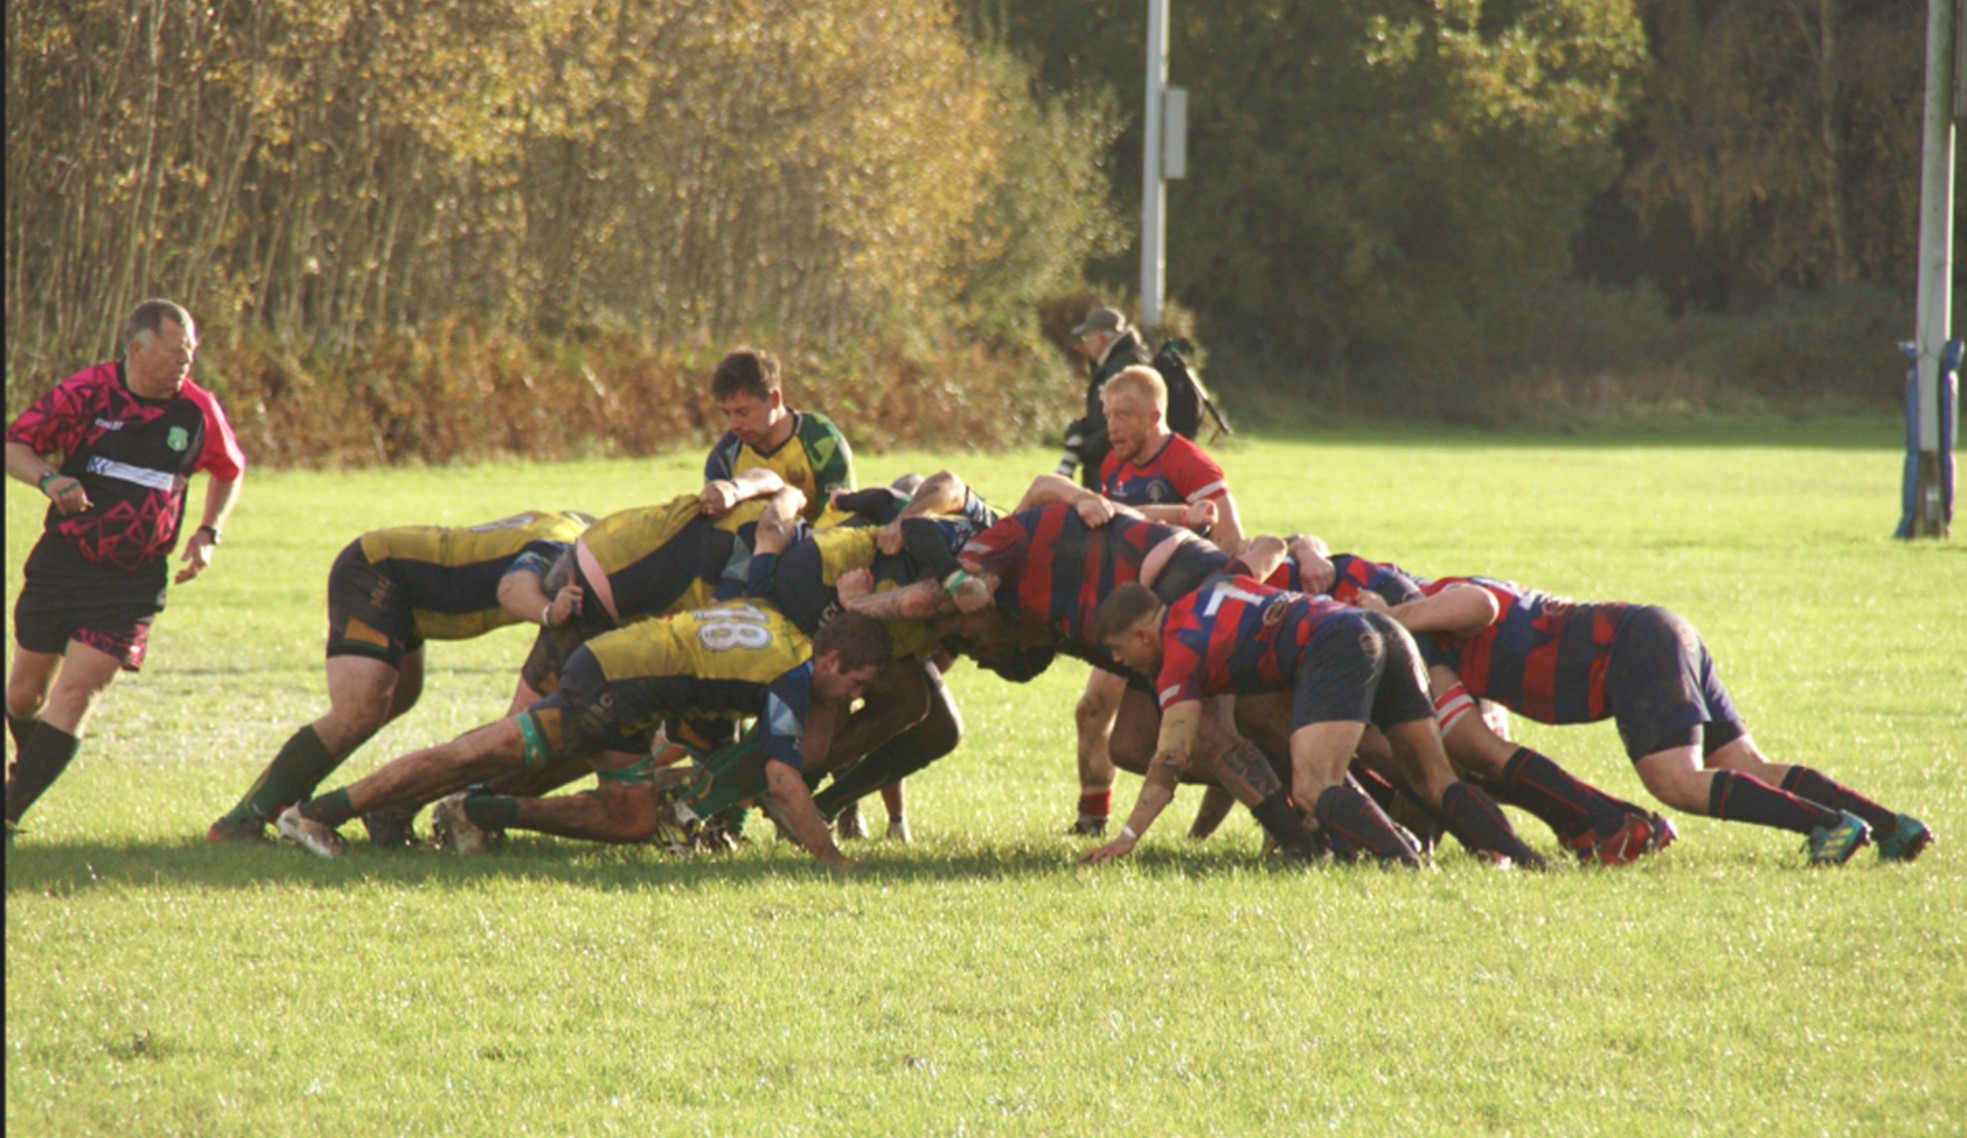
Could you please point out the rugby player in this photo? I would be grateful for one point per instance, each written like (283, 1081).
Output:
(803, 448)
(1559, 661)
(131, 433)
(910, 719)
(1168, 479)
(1346, 668)
(388, 592)
(738, 660)
(1594, 825)
(1047, 567)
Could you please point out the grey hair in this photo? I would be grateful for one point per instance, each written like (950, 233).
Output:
(148, 320)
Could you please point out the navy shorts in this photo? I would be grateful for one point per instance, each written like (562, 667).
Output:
(1361, 667)
(1662, 690)
(64, 598)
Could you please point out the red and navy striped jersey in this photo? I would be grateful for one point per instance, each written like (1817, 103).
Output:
(1356, 574)
(1054, 569)
(1178, 473)
(133, 455)
(1235, 635)
(1544, 657)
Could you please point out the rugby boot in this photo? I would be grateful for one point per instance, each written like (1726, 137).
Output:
(1834, 845)
(1908, 837)
(1088, 826)
(461, 833)
(898, 831)
(1623, 846)
(250, 832)
(314, 837)
(1664, 834)
(848, 826)
(392, 827)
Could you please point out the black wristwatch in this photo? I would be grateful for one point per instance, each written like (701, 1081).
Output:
(213, 530)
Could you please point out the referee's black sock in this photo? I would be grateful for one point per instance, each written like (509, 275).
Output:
(40, 762)
(20, 727)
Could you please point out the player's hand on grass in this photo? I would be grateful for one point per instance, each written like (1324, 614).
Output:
(1112, 851)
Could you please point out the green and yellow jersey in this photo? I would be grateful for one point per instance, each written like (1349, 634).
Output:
(815, 458)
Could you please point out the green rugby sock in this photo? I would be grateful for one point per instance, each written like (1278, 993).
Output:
(492, 811)
(331, 809)
(293, 774)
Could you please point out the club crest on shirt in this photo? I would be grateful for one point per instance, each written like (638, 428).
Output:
(177, 438)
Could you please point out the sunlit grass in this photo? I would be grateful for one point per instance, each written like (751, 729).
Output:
(977, 982)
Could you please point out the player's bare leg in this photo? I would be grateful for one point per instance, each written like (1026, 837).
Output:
(1319, 754)
(364, 694)
(1725, 785)
(1092, 721)
(1900, 837)
(415, 777)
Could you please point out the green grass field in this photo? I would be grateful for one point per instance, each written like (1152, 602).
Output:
(977, 982)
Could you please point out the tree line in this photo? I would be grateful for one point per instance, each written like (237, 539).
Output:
(867, 181)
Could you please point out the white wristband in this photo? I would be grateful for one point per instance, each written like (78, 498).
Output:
(1128, 833)
(546, 616)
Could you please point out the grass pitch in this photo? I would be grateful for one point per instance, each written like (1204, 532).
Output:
(977, 981)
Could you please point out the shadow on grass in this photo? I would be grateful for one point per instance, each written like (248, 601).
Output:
(61, 869)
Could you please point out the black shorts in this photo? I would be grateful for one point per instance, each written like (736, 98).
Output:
(65, 598)
(369, 613)
(1661, 687)
(1361, 667)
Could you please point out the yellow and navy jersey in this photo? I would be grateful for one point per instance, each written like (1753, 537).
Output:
(815, 458)
(656, 560)
(803, 582)
(731, 661)
(450, 574)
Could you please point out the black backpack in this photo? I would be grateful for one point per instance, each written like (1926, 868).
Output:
(1188, 400)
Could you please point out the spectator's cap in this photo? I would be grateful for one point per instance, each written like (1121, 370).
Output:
(1100, 320)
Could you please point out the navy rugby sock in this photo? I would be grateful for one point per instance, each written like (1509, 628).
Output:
(47, 753)
(1736, 797)
(1815, 786)
(1557, 798)
(1280, 821)
(1478, 823)
(1353, 816)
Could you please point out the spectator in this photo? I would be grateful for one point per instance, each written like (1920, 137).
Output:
(1110, 346)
